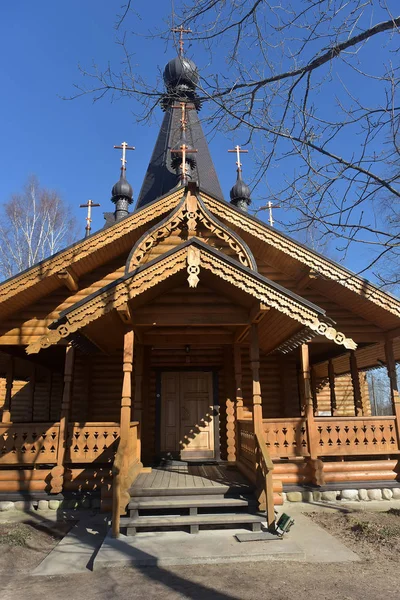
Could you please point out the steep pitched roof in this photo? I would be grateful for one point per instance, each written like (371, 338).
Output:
(160, 177)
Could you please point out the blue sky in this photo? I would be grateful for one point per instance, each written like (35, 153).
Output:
(69, 144)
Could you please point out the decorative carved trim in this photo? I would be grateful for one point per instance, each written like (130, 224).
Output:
(90, 245)
(166, 266)
(185, 219)
(316, 263)
(193, 269)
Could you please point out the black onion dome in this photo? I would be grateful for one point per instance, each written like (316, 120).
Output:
(122, 189)
(181, 71)
(240, 191)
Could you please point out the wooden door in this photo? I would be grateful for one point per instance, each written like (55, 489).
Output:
(187, 425)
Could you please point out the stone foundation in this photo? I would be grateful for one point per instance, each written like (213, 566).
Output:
(347, 495)
(44, 505)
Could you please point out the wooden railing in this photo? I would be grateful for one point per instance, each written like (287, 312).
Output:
(92, 442)
(264, 482)
(333, 436)
(126, 468)
(286, 437)
(28, 443)
(339, 436)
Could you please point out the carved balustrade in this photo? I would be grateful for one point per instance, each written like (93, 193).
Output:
(92, 442)
(246, 443)
(286, 437)
(28, 443)
(340, 436)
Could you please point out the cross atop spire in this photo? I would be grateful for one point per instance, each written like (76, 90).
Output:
(124, 147)
(181, 30)
(238, 152)
(184, 148)
(89, 205)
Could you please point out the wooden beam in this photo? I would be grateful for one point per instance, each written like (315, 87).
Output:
(358, 407)
(256, 314)
(393, 333)
(186, 316)
(285, 391)
(32, 386)
(124, 313)
(138, 401)
(331, 376)
(69, 279)
(306, 277)
(315, 464)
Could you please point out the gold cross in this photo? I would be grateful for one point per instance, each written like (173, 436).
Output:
(184, 148)
(238, 151)
(181, 30)
(124, 147)
(89, 205)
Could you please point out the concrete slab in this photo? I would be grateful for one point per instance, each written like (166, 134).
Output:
(180, 548)
(76, 551)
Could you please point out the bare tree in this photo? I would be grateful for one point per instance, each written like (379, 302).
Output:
(34, 225)
(313, 86)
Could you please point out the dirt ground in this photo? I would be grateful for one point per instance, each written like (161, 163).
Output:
(374, 536)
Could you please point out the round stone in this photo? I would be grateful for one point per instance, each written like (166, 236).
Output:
(317, 496)
(307, 496)
(43, 505)
(294, 496)
(363, 495)
(351, 495)
(54, 504)
(6, 505)
(329, 496)
(396, 493)
(375, 494)
(387, 494)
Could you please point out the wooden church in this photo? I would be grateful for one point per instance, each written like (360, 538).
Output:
(189, 356)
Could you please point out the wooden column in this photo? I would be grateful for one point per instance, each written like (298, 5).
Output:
(358, 407)
(313, 382)
(126, 400)
(316, 465)
(229, 381)
(394, 384)
(331, 376)
(120, 467)
(138, 402)
(256, 387)
(32, 385)
(6, 412)
(57, 473)
(238, 380)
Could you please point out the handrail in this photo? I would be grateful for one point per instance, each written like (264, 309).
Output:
(126, 468)
(266, 466)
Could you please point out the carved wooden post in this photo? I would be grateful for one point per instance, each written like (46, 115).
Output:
(120, 494)
(138, 402)
(57, 473)
(358, 407)
(238, 379)
(6, 413)
(316, 464)
(255, 369)
(32, 386)
(313, 381)
(230, 405)
(394, 384)
(331, 376)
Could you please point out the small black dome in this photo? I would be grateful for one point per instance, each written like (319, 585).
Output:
(122, 189)
(240, 192)
(181, 71)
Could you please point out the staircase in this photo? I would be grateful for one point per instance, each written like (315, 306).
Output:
(182, 496)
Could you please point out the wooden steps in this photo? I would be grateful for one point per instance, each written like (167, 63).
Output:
(191, 521)
(180, 495)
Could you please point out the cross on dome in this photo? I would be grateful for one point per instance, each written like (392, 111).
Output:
(181, 30)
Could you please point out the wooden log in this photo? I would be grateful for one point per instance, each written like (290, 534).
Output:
(316, 465)
(24, 474)
(349, 466)
(138, 402)
(256, 386)
(361, 476)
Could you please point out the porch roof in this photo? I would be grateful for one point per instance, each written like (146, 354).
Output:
(307, 315)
